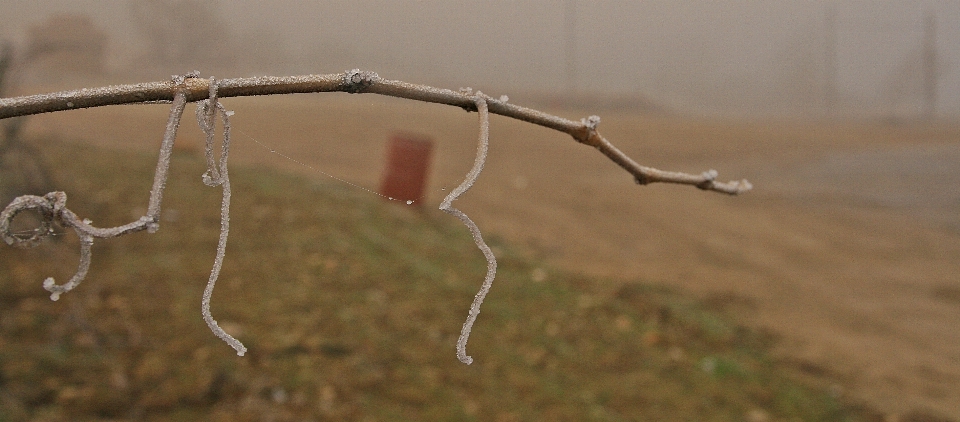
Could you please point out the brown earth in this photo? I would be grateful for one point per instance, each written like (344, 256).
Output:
(848, 249)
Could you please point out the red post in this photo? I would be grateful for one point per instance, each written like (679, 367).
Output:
(408, 159)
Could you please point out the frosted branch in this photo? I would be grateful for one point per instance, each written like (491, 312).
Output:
(181, 89)
(354, 81)
(484, 139)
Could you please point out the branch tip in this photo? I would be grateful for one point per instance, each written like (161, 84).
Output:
(739, 186)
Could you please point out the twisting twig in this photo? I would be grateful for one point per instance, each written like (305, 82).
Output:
(484, 139)
(215, 175)
(357, 81)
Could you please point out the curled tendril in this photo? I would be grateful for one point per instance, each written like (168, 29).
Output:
(216, 175)
(52, 206)
(484, 139)
(52, 209)
(42, 205)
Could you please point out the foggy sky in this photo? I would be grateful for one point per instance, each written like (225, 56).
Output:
(715, 57)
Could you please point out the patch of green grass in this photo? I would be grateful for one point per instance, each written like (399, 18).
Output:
(350, 307)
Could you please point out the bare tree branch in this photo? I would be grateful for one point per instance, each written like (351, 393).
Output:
(183, 88)
(356, 81)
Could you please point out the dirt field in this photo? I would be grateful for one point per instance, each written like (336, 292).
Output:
(848, 248)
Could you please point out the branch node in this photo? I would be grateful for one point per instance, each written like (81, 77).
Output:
(357, 81)
(587, 132)
(180, 79)
(709, 179)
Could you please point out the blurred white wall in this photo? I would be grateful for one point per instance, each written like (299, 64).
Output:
(730, 57)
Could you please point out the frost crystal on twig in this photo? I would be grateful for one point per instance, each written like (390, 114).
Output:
(481, 101)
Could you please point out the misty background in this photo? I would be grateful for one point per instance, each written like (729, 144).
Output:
(804, 58)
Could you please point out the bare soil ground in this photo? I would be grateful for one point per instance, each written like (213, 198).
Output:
(848, 249)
